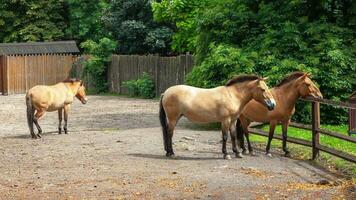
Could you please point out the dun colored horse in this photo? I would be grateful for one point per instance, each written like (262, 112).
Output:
(286, 94)
(221, 104)
(41, 99)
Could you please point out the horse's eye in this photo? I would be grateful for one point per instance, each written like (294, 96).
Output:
(307, 84)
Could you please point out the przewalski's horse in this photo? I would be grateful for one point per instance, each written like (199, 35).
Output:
(221, 104)
(41, 99)
(286, 94)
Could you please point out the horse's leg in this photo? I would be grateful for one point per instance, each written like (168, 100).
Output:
(240, 134)
(272, 126)
(233, 140)
(60, 116)
(247, 135)
(31, 122)
(225, 129)
(66, 112)
(284, 135)
(38, 115)
(171, 125)
(244, 129)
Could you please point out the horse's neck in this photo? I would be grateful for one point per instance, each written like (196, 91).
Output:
(72, 88)
(243, 94)
(288, 94)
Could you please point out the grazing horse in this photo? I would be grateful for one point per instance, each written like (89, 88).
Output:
(286, 94)
(221, 104)
(41, 99)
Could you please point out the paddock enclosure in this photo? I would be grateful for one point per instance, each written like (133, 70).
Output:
(114, 150)
(24, 65)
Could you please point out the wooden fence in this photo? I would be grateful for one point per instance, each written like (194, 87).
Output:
(316, 131)
(165, 71)
(20, 73)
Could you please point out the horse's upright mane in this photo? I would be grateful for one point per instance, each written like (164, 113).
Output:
(242, 78)
(290, 78)
(71, 80)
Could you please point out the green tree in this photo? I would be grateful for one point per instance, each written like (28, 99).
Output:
(280, 37)
(97, 65)
(85, 19)
(32, 20)
(181, 14)
(131, 24)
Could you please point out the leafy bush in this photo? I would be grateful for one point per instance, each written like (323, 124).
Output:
(97, 64)
(221, 64)
(143, 87)
(274, 38)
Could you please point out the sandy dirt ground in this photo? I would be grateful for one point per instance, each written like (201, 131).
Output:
(114, 150)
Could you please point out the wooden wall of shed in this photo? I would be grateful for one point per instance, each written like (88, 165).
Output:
(24, 72)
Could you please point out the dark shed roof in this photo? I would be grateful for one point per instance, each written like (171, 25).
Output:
(38, 48)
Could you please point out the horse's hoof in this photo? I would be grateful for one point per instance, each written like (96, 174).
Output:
(34, 136)
(239, 155)
(227, 157)
(39, 135)
(252, 153)
(170, 155)
(244, 152)
(287, 154)
(269, 155)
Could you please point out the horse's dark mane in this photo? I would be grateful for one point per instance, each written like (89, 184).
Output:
(242, 78)
(290, 78)
(71, 80)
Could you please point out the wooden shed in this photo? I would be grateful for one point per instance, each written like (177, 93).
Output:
(352, 115)
(24, 65)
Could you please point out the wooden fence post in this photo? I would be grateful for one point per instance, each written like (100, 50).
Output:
(315, 126)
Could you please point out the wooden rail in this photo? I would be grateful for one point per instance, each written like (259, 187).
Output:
(316, 130)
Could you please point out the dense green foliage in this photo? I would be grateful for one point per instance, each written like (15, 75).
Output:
(131, 23)
(271, 38)
(32, 20)
(96, 65)
(228, 37)
(85, 19)
(144, 86)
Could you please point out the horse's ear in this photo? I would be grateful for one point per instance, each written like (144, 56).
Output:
(305, 75)
(81, 83)
(265, 78)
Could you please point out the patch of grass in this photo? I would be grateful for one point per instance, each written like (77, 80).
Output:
(326, 140)
(306, 152)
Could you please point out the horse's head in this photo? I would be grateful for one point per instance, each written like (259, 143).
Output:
(261, 93)
(255, 87)
(306, 87)
(81, 93)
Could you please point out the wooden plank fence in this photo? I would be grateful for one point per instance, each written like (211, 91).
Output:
(316, 131)
(20, 73)
(165, 71)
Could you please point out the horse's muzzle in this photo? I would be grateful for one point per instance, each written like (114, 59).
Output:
(271, 104)
(84, 101)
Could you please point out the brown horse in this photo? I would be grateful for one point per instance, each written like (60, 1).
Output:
(41, 99)
(286, 94)
(221, 104)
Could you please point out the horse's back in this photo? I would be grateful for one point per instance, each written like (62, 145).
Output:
(188, 93)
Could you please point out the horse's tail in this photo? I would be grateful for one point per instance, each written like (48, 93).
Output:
(163, 120)
(30, 113)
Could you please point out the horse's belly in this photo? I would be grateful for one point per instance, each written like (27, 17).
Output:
(54, 107)
(201, 119)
